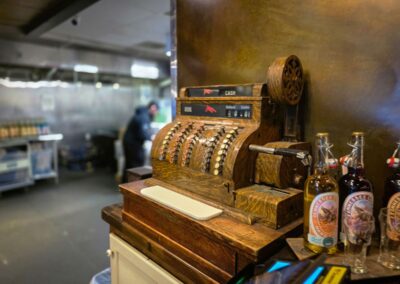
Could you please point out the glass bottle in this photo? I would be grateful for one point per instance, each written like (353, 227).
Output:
(391, 198)
(31, 126)
(321, 202)
(2, 131)
(34, 130)
(39, 126)
(356, 196)
(11, 131)
(23, 128)
(18, 125)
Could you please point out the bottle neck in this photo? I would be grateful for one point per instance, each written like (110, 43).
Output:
(321, 157)
(358, 158)
(357, 154)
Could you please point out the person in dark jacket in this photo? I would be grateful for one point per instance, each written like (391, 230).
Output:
(137, 132)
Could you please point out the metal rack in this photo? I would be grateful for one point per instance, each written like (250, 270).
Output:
(51, 144)
(17, 160)
(15, 164)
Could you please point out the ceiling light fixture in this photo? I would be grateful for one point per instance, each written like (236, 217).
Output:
(115, 86)
(32, 84)
(145, 69)
(86, 68)
(99, 85)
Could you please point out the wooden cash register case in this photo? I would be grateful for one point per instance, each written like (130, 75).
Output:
(204, 154)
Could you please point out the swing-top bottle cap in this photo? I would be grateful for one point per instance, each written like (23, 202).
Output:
(357, 133)
(322, 134)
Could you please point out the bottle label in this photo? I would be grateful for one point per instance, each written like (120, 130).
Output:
(357, 215)
(324, 220)
(393, 217)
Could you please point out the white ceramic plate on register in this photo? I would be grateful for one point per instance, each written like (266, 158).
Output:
(186, 205)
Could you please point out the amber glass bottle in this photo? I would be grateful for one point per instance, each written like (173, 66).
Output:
(321, 202)
(391, 198)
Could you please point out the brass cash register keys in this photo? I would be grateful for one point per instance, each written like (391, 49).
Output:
(167, 140)
(210, 144)
(223, 149)
(176, 143)
(215, 165)
(188, 146)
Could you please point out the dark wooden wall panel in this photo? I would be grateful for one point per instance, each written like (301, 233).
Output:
(350, 51)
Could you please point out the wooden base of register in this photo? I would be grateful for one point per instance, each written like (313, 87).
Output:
(193, 251)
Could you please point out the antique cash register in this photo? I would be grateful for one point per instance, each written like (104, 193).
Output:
(227, 174)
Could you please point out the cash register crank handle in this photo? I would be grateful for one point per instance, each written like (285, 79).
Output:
(304, 156)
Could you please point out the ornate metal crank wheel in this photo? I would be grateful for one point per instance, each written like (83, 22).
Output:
(285, 80)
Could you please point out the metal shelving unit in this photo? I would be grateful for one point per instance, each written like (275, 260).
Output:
(20, 165)
(15, 164)
(50, 142)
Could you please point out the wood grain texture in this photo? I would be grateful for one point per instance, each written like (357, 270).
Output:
(248, 238)
(169, 148)
(239, 215)
(285, 80)
(186, 254)
(207, 185)
(156, 249)
(20, 13)
(281, 171)
(214, 240)
(275, 208)
(348, 49)
(209, 155)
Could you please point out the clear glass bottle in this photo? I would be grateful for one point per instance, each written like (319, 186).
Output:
(356, 196)
(321, 202)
